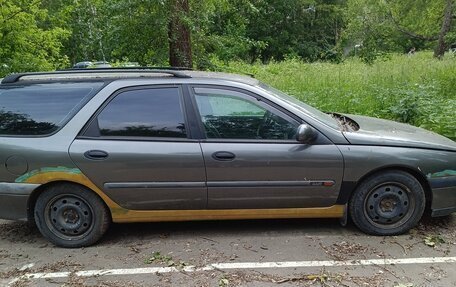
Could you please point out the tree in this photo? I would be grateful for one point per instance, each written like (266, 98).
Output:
(439, 51)
(89, 25)
(434, 28)
(138, 31)
(397, 26)
(26, 44)
(369, 32)
(11, 123)
(179, 38)
(308, 29)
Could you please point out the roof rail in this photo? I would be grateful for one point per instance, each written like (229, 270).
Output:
(132, 68)
(175, 72)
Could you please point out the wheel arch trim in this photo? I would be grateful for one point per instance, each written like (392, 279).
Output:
(47, 178)
(348, 187)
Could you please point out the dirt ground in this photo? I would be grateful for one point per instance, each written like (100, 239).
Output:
(126, 246)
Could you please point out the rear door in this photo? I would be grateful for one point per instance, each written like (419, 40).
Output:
(253, 159)
(137, 148)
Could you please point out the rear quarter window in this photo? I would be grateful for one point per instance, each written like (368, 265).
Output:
(41, 109)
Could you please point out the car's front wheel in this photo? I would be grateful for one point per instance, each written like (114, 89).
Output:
(387, 203)
(70, 215)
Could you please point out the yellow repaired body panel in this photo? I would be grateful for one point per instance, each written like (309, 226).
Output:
(49, 175)
(120, 214)
(335, 211)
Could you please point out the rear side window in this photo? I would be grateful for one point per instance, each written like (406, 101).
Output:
(154, 112)
(41, 109)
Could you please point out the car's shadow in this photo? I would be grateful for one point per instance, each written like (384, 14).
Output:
(237, 228)
(129, 232)
(240, 228)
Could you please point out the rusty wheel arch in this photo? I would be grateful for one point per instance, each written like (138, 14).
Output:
(42, 188)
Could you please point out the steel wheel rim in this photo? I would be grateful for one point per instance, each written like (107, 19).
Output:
(389, 205)
(69, 217)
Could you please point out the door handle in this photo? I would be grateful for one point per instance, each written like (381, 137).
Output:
(223, 155)
(96, 154)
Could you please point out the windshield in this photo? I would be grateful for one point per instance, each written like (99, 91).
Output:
(311, 111)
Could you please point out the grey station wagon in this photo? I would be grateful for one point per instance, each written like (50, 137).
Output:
(83, 148)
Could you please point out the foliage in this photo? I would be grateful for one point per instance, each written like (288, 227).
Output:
(89, 25)
(273, 29)
(433, 240)
(45, 34)
(369, 33)
(167, 260)
(414, 89)
(221, 32)
(158, 257)
(384, 26)
(11, 123)
(139, 31)
(226, 30)
(26, 44)
(307, 29)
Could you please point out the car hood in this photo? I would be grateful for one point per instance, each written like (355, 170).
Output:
(373, 131)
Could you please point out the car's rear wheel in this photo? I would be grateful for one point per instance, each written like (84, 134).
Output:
(387, 203)
(70, 215)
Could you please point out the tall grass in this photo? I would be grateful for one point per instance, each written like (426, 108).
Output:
(416, 89)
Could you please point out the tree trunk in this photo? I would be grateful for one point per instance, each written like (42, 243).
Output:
(180, 48)
(439, 51)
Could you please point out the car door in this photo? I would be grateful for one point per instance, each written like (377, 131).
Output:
(253, 159)
(138, 150)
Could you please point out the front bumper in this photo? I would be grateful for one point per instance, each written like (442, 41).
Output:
(443, 195)
(14, 200)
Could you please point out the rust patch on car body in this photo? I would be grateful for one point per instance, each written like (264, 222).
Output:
(119, 214)
(444, 173)
(335, 211)
(53, 174)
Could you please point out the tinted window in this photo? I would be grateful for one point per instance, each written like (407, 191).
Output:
(319, 115)
(144, 113)
(233, 115)
(41, 109)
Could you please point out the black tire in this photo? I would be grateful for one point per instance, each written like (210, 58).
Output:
(387, 203)
(71, 216)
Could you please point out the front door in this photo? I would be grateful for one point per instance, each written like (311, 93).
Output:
(138, 151)
(253, 159)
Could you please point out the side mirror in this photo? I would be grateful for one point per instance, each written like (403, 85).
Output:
(306, 134)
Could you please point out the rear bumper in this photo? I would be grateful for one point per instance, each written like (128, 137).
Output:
(443, 196)
(14, 200)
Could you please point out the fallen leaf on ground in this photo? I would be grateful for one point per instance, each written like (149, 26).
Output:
(433, 240)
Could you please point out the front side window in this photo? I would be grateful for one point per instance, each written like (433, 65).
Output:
(41, 109)
(144, 113)
(234, 115)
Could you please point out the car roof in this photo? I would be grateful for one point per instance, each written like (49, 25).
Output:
(246, 79)
(122, 73)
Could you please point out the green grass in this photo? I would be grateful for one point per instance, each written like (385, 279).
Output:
(418, 89)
